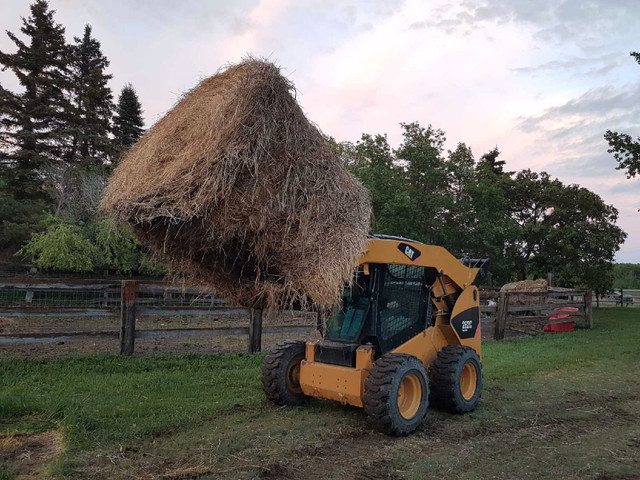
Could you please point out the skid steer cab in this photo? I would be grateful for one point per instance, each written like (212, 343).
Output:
(406, 334)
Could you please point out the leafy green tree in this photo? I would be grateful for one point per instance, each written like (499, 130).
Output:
(528, 223)
(372, 161)
(458, 214)
(460, 166)
(626, 275)
(565, 230)
(625, 150)
(490, 226)
(62, 247)
(128, 125)
(92, 107)
(65, 246)
(583, 238)
(33, 121)
(530, 199)
(120, 249)
(426, 177)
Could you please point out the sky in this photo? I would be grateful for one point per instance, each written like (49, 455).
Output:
(542, 80)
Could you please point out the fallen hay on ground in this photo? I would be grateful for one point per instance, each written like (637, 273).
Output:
(238, 191)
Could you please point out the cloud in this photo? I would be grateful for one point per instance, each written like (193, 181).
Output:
(597, 109)
(592, 65)
(418, 25)
(595, 166)
(570, 137)
(542, 80)
(557, 21)
(628, 186)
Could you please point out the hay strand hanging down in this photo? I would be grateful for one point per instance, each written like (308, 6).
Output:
(238, 191)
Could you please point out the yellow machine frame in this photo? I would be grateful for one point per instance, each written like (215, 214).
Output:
(347, 384)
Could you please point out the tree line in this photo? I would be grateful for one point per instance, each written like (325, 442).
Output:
(60, 137)
(626, 275)
(528, 223)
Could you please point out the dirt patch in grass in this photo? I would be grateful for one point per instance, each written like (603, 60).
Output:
(27, 454)
(579, 425)
(184, 473)
(336, 442)
(276, 471)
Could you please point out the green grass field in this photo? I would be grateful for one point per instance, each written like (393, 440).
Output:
(563, 406)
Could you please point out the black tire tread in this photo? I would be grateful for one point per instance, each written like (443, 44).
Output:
(443, 375)
(272, 370)
(377, 391)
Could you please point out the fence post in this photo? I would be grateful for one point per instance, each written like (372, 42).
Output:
(501, 315)
(255, 331)
(588, 308)
(622, 297)
(128, 316)
(320, 322)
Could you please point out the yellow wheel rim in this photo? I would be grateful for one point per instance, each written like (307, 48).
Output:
(409, 396)
(468, 381)
(292, 376)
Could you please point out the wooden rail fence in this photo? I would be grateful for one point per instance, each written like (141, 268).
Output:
(128, 300)
(528, 312)
(503, 313)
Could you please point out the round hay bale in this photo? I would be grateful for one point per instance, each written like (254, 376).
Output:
(238, 191)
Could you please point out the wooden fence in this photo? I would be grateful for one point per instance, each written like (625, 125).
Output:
(622, 297)
(503, 313)
(515, 312)
(128, 300)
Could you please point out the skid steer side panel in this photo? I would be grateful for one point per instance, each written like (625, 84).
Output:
(428, 343)
(465, 318)
(335, 382)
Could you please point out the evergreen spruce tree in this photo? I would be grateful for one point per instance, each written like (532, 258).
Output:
(33, 122)
(489, 161)
(89, 126)
(127, 123)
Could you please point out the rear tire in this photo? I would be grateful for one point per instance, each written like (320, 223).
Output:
(281, 374)
(456, 379)
(396, 394)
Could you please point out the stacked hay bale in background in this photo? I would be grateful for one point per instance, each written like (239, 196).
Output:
(531, 286)
(235, 189)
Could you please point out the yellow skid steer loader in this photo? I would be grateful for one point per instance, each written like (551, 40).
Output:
(406, 333)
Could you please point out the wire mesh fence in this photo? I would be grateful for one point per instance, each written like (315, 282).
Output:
(171, 295)
(105, 294)
(14, 294)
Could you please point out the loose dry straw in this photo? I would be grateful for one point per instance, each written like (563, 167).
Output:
(238, 191)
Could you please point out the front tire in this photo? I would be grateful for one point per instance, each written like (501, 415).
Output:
(281, 374)
(396, 394)
(456, 379)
